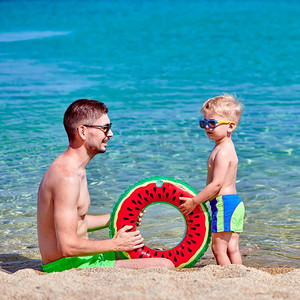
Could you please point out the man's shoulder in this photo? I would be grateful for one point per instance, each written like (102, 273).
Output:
(61, 170)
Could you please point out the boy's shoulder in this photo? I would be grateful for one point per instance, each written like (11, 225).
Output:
(224, 151)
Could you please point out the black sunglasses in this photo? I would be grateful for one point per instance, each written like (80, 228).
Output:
(105, 128)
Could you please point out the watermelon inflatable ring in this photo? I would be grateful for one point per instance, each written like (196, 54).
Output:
(163, 190)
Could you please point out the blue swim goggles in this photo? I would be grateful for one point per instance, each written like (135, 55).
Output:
(212, 124)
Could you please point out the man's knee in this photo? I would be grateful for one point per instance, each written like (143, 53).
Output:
(169, 264)
(165, 263)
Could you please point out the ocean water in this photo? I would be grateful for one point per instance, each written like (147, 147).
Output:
(153, 63)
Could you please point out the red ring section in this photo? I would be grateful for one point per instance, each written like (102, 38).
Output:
(196, 228)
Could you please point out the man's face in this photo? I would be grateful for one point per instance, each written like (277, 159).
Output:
(98, 137)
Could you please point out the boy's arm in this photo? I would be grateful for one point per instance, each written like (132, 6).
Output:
(221, 165)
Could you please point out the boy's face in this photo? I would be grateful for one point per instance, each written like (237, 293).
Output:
(222, 130)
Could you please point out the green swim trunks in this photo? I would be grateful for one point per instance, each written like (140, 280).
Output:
(107, 259)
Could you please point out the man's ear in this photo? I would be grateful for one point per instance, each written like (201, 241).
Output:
(82, 132)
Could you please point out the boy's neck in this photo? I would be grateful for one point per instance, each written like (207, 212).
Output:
(223, 140)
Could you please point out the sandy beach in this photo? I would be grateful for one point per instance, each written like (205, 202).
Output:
(24, 280)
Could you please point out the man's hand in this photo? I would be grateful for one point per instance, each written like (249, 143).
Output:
(187, 206)
(128, 241)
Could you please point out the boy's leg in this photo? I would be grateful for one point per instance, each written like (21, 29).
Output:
(143, 263)
(220, 241)
(233, 250)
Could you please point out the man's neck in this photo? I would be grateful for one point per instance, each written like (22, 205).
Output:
(79, 156)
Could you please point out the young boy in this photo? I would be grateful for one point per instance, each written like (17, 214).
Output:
(221, 117)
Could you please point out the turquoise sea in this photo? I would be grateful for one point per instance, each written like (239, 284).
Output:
(153, 63)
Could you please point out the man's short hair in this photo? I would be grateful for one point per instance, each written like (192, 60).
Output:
(82, 111)
(224, 105)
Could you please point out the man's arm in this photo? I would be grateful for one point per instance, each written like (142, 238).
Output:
(96, 222)
(66, 225)
(221, 165)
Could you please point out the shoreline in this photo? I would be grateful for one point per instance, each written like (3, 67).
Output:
(14, 262)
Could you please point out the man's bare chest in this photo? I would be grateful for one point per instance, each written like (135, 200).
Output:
(84, 201)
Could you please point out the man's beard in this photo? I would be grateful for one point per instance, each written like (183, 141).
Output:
(93, 150)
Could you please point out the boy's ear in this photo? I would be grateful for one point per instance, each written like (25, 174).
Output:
(231, 127)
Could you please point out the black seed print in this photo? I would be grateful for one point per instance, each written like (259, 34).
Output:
(154, 189)
(182, 254)
(139, 195)
(189, 242)
(162, 255)
(133, 201)
(141, 255)
(190, 214)
(136, 208)
(145, 199)
(147, 192)
(181, 195)
(164, 189)
(174, 198)
(193, 241)
(132, 215)
(182, 247)
(190, 221)
(155, 253)
(170, 253)
(197, 216)
(125, 218)
(198, 234)
(128, 208)
(131, 222)
(174, 191)
(175, 259)
(139, 202)
(181, 201)
(159, 196)
(197, 225)
(189, 250)
(167, 195)
(193, 228)
(190, 235)
(177, 252)
(151, 195)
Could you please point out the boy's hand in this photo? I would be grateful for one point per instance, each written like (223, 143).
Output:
(139, 221)
(187, 206)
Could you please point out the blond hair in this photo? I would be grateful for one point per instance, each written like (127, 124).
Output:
(227, 106)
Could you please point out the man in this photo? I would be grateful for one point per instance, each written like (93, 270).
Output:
(63, 201)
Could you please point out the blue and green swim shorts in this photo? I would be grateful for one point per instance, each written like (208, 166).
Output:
(107, 259)
(227, 213)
